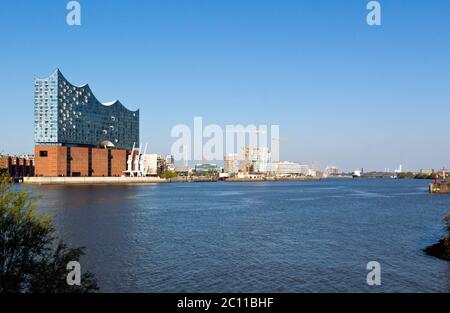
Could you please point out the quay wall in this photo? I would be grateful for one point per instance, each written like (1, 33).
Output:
(92, 180)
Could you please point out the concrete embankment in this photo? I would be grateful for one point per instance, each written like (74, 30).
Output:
(270, 179)
(92, 180)
(441, 187)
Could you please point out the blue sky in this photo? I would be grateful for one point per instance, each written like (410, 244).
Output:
(343, 93)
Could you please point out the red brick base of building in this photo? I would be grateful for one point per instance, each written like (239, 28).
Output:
(59, 161)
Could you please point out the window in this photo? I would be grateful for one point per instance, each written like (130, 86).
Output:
(43, 154)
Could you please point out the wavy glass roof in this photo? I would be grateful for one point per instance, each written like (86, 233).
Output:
(67, 114)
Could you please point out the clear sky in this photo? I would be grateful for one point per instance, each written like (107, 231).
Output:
(343, 93)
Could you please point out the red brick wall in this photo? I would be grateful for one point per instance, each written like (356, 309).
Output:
(4, 162)
(79, 161)
(54, 164)
(118, 162)
(99, 162)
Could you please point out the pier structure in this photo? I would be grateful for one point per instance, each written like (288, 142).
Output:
(440, 187)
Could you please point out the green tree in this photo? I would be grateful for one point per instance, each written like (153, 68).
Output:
(32, 260)
(169, 175)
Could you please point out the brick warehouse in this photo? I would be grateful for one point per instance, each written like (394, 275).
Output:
(17, 167)
(59, 161)
(78, 136)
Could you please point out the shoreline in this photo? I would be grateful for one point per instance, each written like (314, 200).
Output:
(249, 180)
(438, 250)
(93, 180)
(149, 180)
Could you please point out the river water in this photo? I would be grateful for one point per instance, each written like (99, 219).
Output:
(314, 236)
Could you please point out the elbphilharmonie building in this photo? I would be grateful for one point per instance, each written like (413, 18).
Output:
(77, 135)
(70, 115)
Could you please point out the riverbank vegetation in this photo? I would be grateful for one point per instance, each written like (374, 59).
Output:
(32, 259)
(168, 175)
(411, 175)
(442, 248)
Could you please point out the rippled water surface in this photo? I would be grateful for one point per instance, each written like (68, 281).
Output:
(254, 237)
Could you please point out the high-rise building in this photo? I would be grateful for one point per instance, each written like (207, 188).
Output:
(259, 160)
(231, 163)
(170, 163)
(76, 135)
(170, 159)
(66, 115)
(331, 171)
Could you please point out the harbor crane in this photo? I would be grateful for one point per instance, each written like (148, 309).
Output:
(246, 150)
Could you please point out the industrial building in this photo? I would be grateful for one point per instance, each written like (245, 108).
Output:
(17, 166)
(76, 135)
(53, 161)
(426, 172)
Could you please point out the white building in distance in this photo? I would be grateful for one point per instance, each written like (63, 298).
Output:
(291, 168)
(231, 163)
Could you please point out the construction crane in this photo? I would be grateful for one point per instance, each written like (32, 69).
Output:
(279, 140)
(246, 150)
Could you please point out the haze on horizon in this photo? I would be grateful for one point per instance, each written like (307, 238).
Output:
(343, 93)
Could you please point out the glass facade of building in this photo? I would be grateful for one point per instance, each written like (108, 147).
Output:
(69, 115)
(205, 169)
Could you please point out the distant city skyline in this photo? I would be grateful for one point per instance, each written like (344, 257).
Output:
(343, 93)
